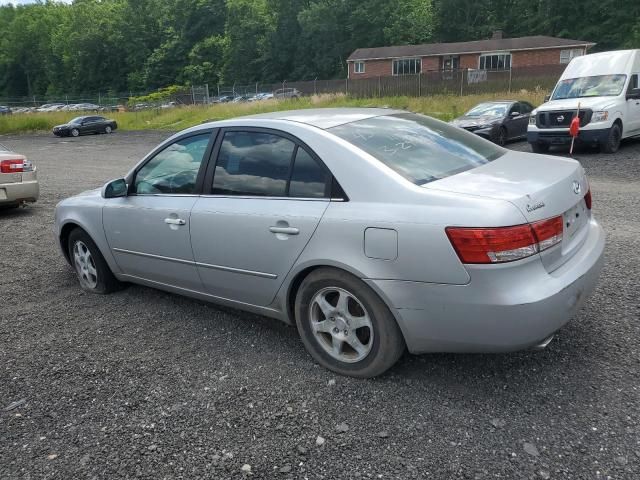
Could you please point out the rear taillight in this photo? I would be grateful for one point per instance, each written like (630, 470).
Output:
(14, 165)
(587, 199)
(505, 244)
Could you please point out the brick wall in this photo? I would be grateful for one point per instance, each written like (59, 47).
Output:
(536, 57)
(372, 68)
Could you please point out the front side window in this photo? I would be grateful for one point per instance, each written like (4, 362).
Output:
(358, 67)
(567, 55)
(595, 86)
(174, 170)
(495, 61)
(407, 66)
(419, 148)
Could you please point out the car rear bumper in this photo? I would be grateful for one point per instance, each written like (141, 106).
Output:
(12, 193)
(501, 309)
(562, 137)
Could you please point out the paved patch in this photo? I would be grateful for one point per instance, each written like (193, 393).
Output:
(145, 384)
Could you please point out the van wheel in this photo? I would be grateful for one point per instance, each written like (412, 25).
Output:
(537, 147)
(92, 270)
(612, 143)
(345, 326)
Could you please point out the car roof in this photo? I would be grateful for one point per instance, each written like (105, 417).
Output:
(326, 117)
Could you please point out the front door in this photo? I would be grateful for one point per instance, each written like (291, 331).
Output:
(632, 124)
(266, 198)
(148, 230)
(517, 124)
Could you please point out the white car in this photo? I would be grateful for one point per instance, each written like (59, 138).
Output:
(18, 179)
(605, 88)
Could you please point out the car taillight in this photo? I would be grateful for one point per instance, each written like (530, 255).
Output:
(505, 244)
(587, 199)
(15, 165)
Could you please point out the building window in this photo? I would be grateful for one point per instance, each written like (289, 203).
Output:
(495, 61)
(450, 63)
(407, 66)
(358, 67)
(567, 55)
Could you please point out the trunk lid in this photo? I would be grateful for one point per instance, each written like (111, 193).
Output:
(540, 186)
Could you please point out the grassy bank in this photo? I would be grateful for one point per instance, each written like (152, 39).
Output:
(444, 107)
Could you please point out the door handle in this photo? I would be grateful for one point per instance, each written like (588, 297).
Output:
(175, 221)
(284, 230)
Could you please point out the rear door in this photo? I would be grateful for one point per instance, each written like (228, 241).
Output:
(266, 195)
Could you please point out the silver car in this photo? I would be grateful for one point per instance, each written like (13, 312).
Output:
(371, 230)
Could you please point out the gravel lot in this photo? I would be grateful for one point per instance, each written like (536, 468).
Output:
(144, 384)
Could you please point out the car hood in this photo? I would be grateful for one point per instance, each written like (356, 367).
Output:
(541, 186)
(64, 125)
(466, 121)
(594, 103)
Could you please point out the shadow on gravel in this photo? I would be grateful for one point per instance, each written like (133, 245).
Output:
(15, 212)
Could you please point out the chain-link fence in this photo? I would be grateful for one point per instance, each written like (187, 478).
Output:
(455, 82)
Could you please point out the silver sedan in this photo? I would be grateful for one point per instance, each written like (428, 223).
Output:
(372, 230)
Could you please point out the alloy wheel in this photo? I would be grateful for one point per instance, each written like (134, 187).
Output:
(85, 266)
(341, 325)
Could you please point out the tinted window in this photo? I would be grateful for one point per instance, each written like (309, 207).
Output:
(309, 179)
(252, 163)
(525, 107)
(174, 169)
(419, 148)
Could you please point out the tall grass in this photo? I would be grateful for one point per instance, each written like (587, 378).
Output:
(444, 107)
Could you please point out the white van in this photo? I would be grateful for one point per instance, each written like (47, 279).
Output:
(605, 85)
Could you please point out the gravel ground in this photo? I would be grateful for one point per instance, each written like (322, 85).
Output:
(144, 384)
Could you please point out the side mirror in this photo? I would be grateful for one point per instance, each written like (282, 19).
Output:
(515, 114)
(633, 94)
(115, 188)
(547, 98)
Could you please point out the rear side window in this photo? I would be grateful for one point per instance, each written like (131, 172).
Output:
(308, 179)
(252, 163)
(419, 148)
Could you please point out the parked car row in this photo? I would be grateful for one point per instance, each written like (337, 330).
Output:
(61, 107)
(281, 93)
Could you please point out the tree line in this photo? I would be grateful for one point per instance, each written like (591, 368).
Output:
(52, 48)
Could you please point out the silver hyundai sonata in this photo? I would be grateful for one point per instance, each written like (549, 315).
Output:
(372, 230)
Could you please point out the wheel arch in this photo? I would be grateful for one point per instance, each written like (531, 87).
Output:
(297, 277)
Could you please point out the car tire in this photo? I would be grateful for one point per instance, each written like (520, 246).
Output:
(345, 326)
(75, 132)
(500, 137)
(612, 143)
(92, 270)
(537, 147)
(108, 129)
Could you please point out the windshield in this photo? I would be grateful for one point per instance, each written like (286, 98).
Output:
(420, 148)
(596, 86)
(77, 120)
(488, 110)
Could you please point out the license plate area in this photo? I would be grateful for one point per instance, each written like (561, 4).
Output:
(574, 219)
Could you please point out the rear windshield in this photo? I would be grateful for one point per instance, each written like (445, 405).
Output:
(419, 148)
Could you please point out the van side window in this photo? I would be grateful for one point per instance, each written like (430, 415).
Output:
(633, 84)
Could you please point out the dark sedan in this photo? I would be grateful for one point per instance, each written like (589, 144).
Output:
(498, 121)
(85, 125)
